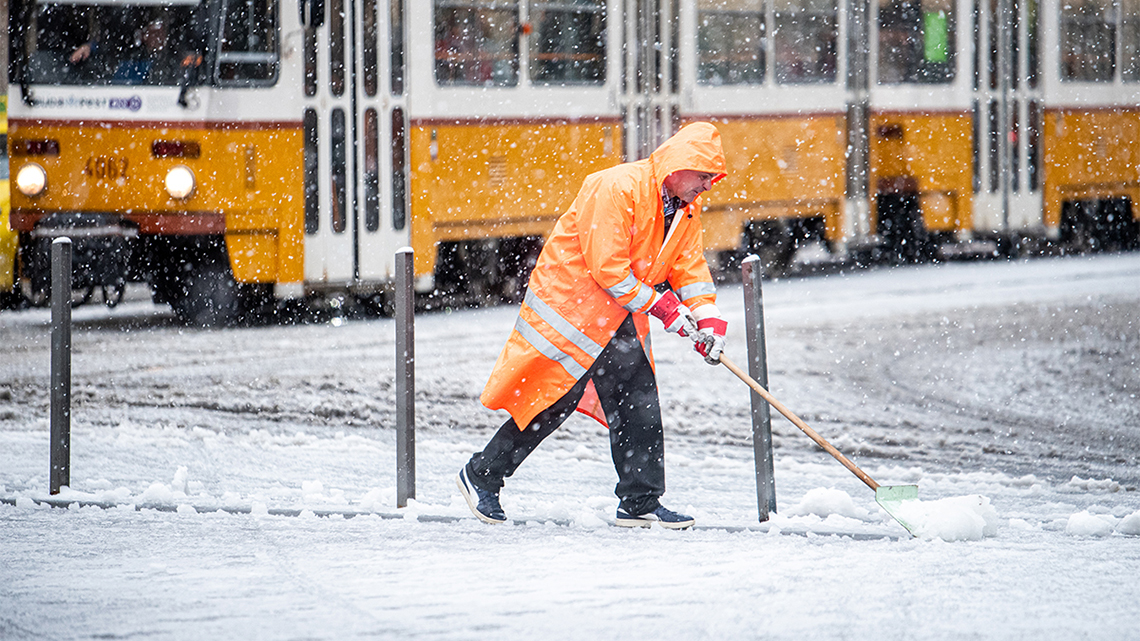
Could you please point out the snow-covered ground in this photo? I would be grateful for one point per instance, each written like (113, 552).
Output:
(1017, 382)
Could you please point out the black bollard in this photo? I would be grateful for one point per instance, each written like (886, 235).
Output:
(758, 370)
(60, 474)
(405, 379)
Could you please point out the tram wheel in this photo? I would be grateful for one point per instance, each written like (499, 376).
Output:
(773, 242)
(209, 298)
(903, 230)
(36, 296)
(113, 294)
(1093, 226)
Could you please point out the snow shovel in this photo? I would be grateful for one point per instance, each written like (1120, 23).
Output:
(889, 497)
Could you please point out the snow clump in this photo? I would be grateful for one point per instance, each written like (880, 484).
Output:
(823, 502)
(958, 518)
(1078, 485)
(1088, 524)
(1129, 524)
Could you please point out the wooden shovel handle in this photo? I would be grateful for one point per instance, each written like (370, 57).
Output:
(759, 389)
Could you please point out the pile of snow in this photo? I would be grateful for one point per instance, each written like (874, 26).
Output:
(1130, 524)
(824, 502)
(958, 518)
(1097, 522)
(1086, 523)
(1082, 486)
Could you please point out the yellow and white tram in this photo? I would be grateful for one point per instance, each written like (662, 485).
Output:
(234, 152)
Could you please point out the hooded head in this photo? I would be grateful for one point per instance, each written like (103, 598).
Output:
(696, 147)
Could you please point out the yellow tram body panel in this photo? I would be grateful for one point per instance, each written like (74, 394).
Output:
(8, 238)
(778, 167)
(931, 153)
(491, 179)
(249, 184)
(8, 242)
(1090, 155)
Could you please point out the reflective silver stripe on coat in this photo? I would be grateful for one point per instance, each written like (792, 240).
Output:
(696, 289)
(547, 349)
(628, 285)
(564, 327)
(642, 299)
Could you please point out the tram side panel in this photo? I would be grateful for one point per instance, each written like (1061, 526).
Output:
(1092, 177)
(921, 179)
(8, 238)
(782, 168)
(481, 180)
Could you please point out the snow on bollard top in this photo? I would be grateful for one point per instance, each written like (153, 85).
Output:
(957, 518)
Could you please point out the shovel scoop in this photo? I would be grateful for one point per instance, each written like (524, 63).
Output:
(889, 497)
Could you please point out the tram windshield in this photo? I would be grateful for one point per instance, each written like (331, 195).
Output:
(99, 43)
(144, 42)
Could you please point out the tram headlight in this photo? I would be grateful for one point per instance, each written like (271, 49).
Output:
(180, 182)
(31, 180)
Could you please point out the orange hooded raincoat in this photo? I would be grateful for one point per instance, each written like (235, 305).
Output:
(599, 264)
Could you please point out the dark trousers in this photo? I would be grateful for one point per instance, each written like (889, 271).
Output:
(627, 389)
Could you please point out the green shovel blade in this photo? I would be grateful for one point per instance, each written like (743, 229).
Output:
(891, 497)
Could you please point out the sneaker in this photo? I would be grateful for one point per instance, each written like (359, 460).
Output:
(665, 517)
(484, 505)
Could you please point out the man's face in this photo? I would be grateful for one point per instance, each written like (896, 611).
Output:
(687, 184)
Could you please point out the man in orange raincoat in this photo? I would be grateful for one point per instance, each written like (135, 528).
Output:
(629, 246)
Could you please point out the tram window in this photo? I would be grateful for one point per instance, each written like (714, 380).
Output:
(976, 145)
(1033, 41)
(371, 170)
(247, 52)
(368, 8)
(1014, 46)
(338, 161)
(995, 147)
(399, 170)
(805, 34)
(336, 47)
(993, 49)
(1014, 144)
(1033, 147)
(312, 174)
(1130, 40)
(731, 39)
(310, 61)
(977, 46)
(476, 42)
(1088, 40)
(916, 41)
(569, 42)
(107, 44)
(396, 24)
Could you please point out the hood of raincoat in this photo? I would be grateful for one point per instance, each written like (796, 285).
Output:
(695, 147)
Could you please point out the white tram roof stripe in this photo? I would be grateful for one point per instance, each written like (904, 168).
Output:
(126, 3)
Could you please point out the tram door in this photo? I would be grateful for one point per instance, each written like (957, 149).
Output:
(1008, 116)
(650, 79)
(355, 147)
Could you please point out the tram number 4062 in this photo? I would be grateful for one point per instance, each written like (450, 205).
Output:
(106, 167)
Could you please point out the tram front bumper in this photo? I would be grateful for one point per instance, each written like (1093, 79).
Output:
(102, 247)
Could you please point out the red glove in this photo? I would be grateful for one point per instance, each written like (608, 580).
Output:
(711, 338)
(676, 317)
